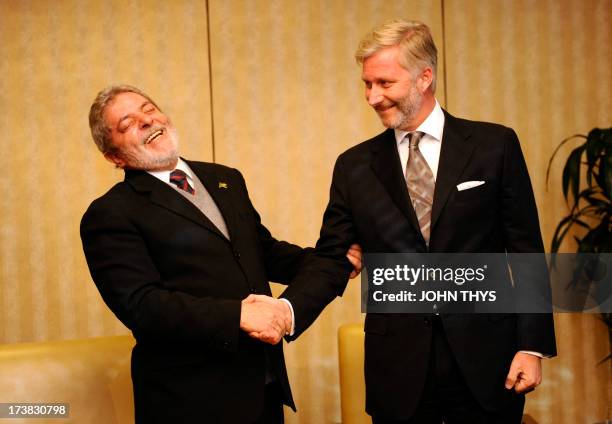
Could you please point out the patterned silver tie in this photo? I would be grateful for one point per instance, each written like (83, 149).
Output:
(421, 184)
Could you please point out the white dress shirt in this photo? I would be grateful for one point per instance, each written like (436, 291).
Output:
(165, 175)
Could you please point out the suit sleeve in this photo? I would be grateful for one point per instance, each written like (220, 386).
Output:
(324, 274)
(522, 235)
(131, 286)
(281, 259)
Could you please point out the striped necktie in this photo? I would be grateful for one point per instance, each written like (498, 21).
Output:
(421, 183)
(179, 178)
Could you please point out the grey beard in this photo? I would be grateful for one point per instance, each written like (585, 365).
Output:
(150, 162)
(409, 107)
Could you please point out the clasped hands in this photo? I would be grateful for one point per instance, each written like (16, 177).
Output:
(269, 319)
(265, 318)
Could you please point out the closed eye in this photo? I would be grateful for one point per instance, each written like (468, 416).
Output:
(125, 125)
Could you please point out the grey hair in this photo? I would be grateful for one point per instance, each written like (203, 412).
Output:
(100, 132)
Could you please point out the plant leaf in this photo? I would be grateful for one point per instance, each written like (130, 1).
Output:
(560, 233)
(606, 172)
(597, 203)
(571, 173)
(552, 157)
(595, 239)
(581, 223)
(594, 147)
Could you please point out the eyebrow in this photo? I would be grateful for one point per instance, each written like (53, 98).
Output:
(129, 115)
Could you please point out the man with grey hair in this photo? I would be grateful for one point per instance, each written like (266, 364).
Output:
(430, 183)
(179, 254)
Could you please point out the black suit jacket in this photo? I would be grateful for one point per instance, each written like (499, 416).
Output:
(369, 204)
(173, 279)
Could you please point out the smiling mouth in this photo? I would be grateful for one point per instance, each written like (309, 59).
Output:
(384, 108)
(154, 135)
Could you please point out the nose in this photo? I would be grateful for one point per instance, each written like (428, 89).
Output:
(374, 95)
(145, 121)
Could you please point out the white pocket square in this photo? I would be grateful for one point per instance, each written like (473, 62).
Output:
(469, 184)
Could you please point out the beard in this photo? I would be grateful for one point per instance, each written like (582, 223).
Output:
(150, 160)
(407, 107)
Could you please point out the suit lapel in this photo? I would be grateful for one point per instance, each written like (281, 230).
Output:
(387, 167)
(220, 190)
(166, 197)
(456, 150)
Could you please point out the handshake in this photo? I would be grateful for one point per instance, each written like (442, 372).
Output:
(269, 319)
(265, 318)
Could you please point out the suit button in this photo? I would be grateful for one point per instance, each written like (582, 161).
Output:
(427, 321)
(236, 254)
(226, 345)
(253, 290)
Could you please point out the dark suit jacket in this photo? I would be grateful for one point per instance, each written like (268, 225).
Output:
(369, 204)
(173, 279)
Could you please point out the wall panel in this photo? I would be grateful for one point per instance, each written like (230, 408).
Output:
(55, 58)
(544, 69)
(287, 99)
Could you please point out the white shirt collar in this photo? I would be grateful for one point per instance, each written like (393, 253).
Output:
(165, 175)
(433, 125)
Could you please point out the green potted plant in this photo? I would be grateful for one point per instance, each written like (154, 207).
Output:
(587, 187)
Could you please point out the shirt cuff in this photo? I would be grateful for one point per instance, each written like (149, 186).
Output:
(292, 317)
(538, 354)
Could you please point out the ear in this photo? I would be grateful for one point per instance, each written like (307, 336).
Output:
(425, 79)
(115, 159)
